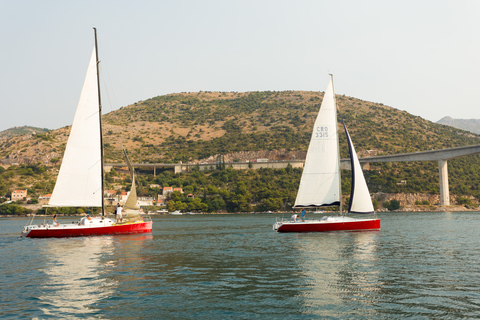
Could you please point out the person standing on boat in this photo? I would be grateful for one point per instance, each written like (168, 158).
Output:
(294, 217)
(304, 214)
(119, 212)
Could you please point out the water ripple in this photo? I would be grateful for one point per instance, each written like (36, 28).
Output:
(421, 266)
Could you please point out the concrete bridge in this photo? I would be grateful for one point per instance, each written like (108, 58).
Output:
(184, 167)
(433, 155)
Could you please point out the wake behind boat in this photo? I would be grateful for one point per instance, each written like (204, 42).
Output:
(80, 181)
(320, 184)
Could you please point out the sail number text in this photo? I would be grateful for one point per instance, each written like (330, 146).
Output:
(321, 132)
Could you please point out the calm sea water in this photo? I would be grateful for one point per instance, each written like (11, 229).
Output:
(420, 265)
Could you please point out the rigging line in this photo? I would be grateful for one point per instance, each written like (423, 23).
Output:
(105, 75)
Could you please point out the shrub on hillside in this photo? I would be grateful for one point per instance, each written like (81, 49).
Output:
(392, 205)
(13, 209)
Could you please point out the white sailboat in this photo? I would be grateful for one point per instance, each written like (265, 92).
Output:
(320, 184)
(80, 179)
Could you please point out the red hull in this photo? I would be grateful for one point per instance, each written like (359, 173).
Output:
(361, 225)
(143, 227)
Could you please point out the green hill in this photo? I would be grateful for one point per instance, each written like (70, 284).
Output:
(184, 127)
(190, 127)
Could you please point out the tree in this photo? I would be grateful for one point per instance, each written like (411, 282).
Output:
(271, 204)
(180, 205)
(13, 209)
(392, 205)
(176, 196)
(188, 189)
(171, 205)
(216, 204)
(195, 204)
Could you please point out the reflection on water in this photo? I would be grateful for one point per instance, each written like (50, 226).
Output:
(79, 272)
(211, 268)
(340, 271)
(73, 281)
(420, 266)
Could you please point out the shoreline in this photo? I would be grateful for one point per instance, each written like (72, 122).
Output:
(410, 209)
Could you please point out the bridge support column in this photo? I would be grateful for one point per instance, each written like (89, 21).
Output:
(443, 177)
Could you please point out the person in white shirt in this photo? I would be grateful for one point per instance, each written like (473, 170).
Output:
(119, 213)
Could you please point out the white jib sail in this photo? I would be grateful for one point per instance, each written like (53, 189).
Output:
(131, 202)
(360, 201)
(79, 182)
(320, 182)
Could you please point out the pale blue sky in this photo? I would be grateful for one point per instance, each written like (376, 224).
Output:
(418, 56)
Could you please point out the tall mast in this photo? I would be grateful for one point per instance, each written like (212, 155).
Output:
(338, 148)
(100, 121)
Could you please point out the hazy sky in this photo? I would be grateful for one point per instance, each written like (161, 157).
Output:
(418, 56)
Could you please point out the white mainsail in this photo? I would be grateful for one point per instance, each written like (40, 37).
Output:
(320, 182)
(79, 182)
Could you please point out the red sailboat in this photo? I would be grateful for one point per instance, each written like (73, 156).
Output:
(320, 184)
(80, 179)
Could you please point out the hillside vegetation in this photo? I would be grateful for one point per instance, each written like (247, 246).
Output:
(192, 127)
(185, 127)
(20, 131)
